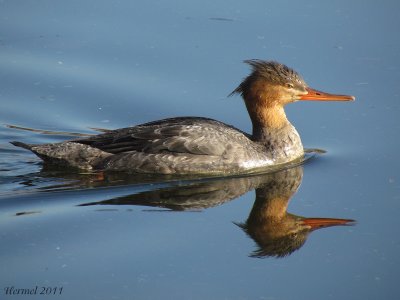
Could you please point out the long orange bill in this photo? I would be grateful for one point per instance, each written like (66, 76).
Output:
(321, 96)
(316, 223)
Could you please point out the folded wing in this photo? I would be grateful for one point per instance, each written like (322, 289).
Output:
(192, 135)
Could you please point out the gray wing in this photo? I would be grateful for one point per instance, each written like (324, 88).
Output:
(182, 135)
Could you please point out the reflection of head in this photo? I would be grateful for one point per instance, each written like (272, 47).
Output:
(279, 246)
(277, 232)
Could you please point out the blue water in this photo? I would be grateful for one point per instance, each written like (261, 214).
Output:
(75, 66)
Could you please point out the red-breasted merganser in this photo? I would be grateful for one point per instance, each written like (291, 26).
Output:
(194, 145)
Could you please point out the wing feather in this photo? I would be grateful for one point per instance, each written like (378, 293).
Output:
(192, 135)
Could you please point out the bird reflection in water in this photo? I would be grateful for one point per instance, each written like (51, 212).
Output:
(276, 232)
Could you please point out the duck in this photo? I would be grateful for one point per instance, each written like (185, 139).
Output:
(198, 145)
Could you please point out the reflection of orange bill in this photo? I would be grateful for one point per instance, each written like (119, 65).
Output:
(316, 223)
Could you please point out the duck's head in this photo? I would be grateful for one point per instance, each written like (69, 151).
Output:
(270, 86)
(278, 84)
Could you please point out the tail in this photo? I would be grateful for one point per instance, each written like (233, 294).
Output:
(67, 153)
(22, 145)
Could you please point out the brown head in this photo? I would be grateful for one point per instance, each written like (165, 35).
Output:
(270, 86)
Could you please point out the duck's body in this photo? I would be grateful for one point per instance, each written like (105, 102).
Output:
(187, 145)
(192, 145)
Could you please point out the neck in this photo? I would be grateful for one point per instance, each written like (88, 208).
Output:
(265, 110)
(267, 121)
(272, 129)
